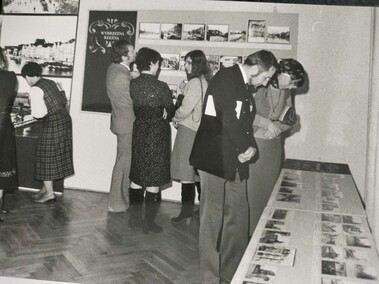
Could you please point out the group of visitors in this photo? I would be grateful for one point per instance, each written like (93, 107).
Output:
(228, 143)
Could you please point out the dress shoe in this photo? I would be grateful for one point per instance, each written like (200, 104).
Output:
(46, 198)
(38, 195)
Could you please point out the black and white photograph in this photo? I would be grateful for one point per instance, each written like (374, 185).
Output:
(237, 36)
(281, 214)
(170, 61)
(333, 239)
(350, 219)
(289, 190)
(229, 60)
(285, 256)
(214, 62)
(330, 227)
(292, 198)
(357, 241)
(325, 280)
(217, 33)
(331, 218)
(275, 238)
(359, 255)
(65, 7)
(260, 273)
(334, 268)
(361, 271)
(193, 32)
(171, 31)
(352, 229)
(275, 225)
(279, 35)
(331, 193)
(256, 31)
(149, 31)
(52, 47)
(331, 206)
(332, 252)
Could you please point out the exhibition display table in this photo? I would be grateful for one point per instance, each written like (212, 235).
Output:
(314, 230)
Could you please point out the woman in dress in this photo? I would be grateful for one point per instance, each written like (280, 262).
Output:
(270, 103)
(54, 145)
(8, 169)
(187, 120)
(153, 108)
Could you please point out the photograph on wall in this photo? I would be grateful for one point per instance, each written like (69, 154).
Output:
(214, 62)
(104, 28)
(237, 36)
(193, 32)
(279, 35)
(170, 61)
(62, 7)
(52, 47)
(171, 31)
(149, 30)
(229, 61)
(217, 32)
(257, 30)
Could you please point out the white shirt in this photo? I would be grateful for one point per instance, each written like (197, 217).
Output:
(243, 73)
(37, 104)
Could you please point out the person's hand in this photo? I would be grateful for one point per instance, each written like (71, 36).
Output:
(164, 113)
(274, 128)
(182, 85)
(134, 74)
(247, 155)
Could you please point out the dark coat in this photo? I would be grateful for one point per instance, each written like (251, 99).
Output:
(221, 138)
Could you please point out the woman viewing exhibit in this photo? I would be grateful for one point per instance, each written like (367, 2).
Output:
(153, 108)
(54, 145)
(187, 120)
(272, 103)
(8, 168)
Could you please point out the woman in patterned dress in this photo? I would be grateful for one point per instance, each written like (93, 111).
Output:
(54, 146)
(153, 109)
(8, 174)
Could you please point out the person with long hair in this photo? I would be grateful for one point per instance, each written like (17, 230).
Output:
(187, 120)
(8, 164)
(54, 159)
(151, 143)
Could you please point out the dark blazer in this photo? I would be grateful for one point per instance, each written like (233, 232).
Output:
(221, 138)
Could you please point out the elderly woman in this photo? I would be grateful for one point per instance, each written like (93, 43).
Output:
(187, 119)
(54, 146)
(270, 103)
(8, 171)
(153, 108)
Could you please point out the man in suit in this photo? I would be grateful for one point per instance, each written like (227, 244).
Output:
(118, 83)
(223, 147)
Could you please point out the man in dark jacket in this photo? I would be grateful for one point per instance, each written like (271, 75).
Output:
(223, 147)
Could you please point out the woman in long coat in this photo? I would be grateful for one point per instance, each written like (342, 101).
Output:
(54, 146)
(153, 109)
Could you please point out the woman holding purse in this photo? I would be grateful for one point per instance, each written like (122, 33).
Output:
(187, 120)
(268, 125)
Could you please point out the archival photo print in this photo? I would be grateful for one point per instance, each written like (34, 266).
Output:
(52, 47)
(171, 31)
(331, 218)
(261, 273)
(217, 32)
(70, 7)
(279, 35)
(333, 268)
(193, 32)
(170, 61)
(332, 252)
(275, 237)
(149, 30)
(237, 36)
(257, 31)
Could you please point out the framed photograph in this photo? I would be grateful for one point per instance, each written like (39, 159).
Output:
(217, 32)
(193, 32)
(170, 61)
(53, 46)
(214, 62)
(65, 7)
(237, 36)
(149, 30)
(229, 61)
(257, 30)
(171, 31)
(278, 35)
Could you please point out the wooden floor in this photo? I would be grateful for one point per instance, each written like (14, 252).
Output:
(76, 240)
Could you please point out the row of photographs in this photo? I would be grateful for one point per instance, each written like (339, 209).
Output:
(40, 7)
(345, 249)
(291, 187)
(257, 32)
(330, 194)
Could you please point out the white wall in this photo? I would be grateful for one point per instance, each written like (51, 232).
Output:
(334, 47)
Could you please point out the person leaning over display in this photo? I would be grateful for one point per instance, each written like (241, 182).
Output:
(223, 147)
(54, 146)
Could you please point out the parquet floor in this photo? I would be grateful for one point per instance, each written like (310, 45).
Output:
(76, 240)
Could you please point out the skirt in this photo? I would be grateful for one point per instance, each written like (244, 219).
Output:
(181, 170)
